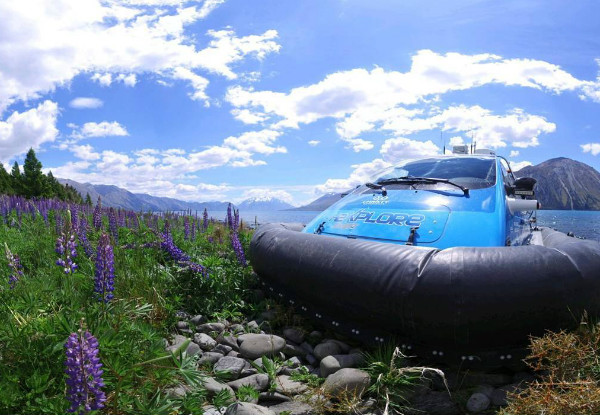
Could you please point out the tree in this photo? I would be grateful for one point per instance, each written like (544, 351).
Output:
(16, 179)
(5, 181)
(33, 178)
(88, 199)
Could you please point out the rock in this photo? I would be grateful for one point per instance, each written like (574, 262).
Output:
(284, 384)
(311, 359)
(253, 326)
(233, 353)
(213, 387)
(432, 403)
(293, 350)
(315, 337)
(211, 410)
(209, 358)
(343, 346)
(228, 340)
(191, 349)
(182, 315)
(292, 408)
(289, 371)
(222, 348)
(182, 325)
(260, 382)
(331, 364)
(477, 378)
(272, 398)
(236, 328)
(246, 408)
(211, 327)
(176, 392)
(205, 342)
(294, 335)
(487, 390)
(257, 345)
(478, 402)
(268, 315)
(352, 381)
(249, 371)
(232, 365)
(293, 363)
(326, 349)
(499, 396)
(307, 347)
(523, 377)
(197, 320)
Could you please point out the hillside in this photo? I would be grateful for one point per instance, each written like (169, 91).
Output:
(565, 184)
(321, 203)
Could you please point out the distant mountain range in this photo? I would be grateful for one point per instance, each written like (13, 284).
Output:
(565, 184)
(321, 203)
(113, 196)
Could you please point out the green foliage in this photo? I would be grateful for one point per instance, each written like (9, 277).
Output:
(304, 376)
(247, 393)
(37, 316)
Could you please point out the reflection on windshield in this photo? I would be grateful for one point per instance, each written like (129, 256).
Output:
(471, 172)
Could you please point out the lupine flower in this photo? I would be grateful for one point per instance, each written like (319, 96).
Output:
(82, 235)
(236, 219)
(58, 221)
(66, 247)
(205, 220)
(186, 228)
(176, 254)
(97, 220)
(228, 219)
(105, 270)
(84, 373)
(112, 225)
(16, 269)
(193, 230)
(238, 248)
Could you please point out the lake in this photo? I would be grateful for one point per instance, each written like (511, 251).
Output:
(585, 224)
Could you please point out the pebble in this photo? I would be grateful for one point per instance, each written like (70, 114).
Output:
(487, 390)
(228, 340)
(211, 327)
(293, 350)
(197, 320)
(331, 364)
(294, 335)
(205, 342)
(284, 384)
(326, 349)
(182, 325)
(293, 408)
(232, 365)
(213, 387)
(209, 358)
(272, 398)
(257, 345)
(499, 396)
(348, 380)
(222, 348)
(260, 382)
(478, 402)
(246, 408)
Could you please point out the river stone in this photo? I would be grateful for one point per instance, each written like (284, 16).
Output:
(236, 328)
(311, 359)
(209, 358)
(182, 325)
(211, 410)
(253, 326)
(314, 337)
(352, 381)
(233, 353)
(292, 408)
(229, 340)
(291, 350)
(213, 387)
(232, 365)
(499, 396)
(210, 327)
(248, 371)
(432, 403)
(272, 398)
(246, 408)
(294, 335)
(307, 347)
(191, 350)
(331, 364)
(343, 346)
(478, 402)
(197, 320)
(176, 391)
(205, 342)
(260, 382)
(222, 348)
(293, 363)
(326, 349)
(284, 384)
(487, 390)
(257, 345)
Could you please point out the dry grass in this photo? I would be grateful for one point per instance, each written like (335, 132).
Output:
(570, 368)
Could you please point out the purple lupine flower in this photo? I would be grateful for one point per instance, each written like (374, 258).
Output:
(205, 220)
(97, 220)
(74, 217)
(238, 249)
(186, 228)
(82, 230)
(84, 373)
(229, 220)
(112, 225)
(105, 270)
(16, 269)
(193, 231)
(58, 221)
(66, 248)
(236, 219)
(168, 246)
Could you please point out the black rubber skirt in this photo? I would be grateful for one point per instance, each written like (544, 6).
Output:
(460, 303)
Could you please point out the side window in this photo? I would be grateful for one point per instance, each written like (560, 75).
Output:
(506, 176)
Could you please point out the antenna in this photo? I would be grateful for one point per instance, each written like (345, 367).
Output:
(443, 142)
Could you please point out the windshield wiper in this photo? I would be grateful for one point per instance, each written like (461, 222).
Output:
(377, 186)
(414, 179)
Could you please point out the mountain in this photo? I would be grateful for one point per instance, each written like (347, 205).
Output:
(113, 196)
(566, 184)
(321, 203)
(263, 203)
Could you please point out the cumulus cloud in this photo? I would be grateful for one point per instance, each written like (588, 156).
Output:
(518, 165)
(101, 129)
(113, 41)
(85, 102)
(32, 128)
(396, 149)
(593, 148)
(361, 173)
(313, 143)
(514, 153)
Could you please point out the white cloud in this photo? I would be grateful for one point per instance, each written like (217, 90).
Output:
(260, 142)
(518, 165)
(84, 152)
(101, 129)
(593, 148)
(31, 128)
(361, 173)
(456, 141)
(266, 193)
(358, 144)
(50, 43)
(513, 153)
(248, 117)
(396, 149)
(198, 83)
(85, 102)
(313, 143)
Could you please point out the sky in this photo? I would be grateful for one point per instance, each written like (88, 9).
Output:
(230, 99)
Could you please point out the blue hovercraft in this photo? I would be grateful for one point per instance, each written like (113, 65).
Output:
(440, 254)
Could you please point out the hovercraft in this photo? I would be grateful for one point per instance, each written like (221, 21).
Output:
(441, 255)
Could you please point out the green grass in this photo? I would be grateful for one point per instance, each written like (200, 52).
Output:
(37, 316)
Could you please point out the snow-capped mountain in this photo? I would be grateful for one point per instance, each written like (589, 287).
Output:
(262, 203)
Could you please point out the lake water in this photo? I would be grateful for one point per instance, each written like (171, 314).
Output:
(583, 223)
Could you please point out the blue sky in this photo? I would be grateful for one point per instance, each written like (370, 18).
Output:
(229, 99)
